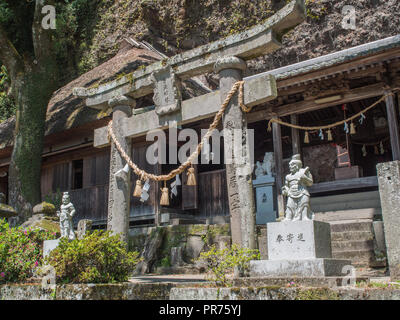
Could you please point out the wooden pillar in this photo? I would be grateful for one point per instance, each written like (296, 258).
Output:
(237, 157)
(295, 135)
(393, 124)
(120, 185)
(277, 141)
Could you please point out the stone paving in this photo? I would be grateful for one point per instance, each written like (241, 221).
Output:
(170, 278)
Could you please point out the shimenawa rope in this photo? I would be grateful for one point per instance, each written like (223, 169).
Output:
(143, 175)
(329, 126)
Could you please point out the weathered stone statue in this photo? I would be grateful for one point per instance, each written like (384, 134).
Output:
(66, 213)
(259, 170)
(265, 168)
(298, 202)
(268, 162)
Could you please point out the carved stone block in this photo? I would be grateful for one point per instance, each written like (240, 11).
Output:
(167, 91)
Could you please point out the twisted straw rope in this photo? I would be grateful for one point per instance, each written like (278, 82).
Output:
(329, 126)
(143, 175)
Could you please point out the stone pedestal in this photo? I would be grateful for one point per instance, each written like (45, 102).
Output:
(49, 245)
(264, 190)
(389, 186)
(298, 249)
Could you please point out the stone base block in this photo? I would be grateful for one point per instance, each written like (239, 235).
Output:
(293, 240)
(49, 245)
(298, 268)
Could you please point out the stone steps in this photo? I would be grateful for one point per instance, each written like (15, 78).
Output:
(354, 240)
(351, 226)
(351, 235)
(346, 245)
(359, 258)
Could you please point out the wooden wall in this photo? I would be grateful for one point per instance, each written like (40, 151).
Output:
(3, 185)
(96, 170)
(90, 201)
(213, 194)
(151, 206)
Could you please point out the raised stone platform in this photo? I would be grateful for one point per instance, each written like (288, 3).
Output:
(299, 249)
(298, 268)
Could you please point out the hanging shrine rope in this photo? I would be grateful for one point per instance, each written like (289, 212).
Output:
(143, 175)
(330, 126)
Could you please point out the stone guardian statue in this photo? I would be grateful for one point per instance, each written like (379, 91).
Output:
(67, 211)
(298, 197)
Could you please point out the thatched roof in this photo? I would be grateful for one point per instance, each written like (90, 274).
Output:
(66, 111)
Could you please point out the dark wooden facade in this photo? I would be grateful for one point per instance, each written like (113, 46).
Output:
(84, 173)
(208, 199)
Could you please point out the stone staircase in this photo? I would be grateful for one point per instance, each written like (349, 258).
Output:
(354, 240)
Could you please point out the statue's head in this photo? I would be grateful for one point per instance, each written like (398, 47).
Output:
(65, 198)
(268, 156)
(295, 164)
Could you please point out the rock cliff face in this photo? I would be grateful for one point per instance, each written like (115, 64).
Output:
(174, 26)
(323, 33)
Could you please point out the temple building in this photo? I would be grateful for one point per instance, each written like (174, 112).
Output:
(311, 94)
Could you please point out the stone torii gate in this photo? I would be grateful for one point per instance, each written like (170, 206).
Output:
(227, 58)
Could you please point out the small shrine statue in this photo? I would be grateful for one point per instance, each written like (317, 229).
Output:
(259, 170)
(66, 213)
(264, 168)
(298, 202)
(268, 163)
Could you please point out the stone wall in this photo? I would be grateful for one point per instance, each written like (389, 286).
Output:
(191, 238)
(120, 291)
(169, 291)
(283, 293)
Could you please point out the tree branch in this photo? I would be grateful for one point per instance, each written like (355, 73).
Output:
(9, 56)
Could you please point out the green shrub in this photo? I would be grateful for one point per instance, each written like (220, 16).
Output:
(97, 258)
(20, 252)
(222, 262)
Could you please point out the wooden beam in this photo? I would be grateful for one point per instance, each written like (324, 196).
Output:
(393, 125)
(351, 65)
(277, 141)
(347, 184)
(295, 135)
(307, 106)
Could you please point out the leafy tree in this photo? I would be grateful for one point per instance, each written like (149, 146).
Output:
(27, 51)
(7, 105)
